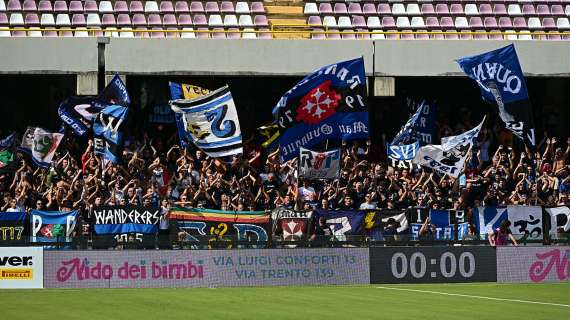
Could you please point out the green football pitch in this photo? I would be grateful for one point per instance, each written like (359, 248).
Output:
(446, 301)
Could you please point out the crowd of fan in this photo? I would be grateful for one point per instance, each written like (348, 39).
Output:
(158, 172)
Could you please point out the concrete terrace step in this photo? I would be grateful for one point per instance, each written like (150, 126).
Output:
(283, 22)
(284, 2)
(284, 10)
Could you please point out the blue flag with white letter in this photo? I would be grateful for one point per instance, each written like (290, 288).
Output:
(343, 222)
(500, 78)
(107, 132)
(52, 226)
(401, 156)
(327, 104)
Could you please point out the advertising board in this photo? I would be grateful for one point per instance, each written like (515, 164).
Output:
(206, 268)
(21, 267)
(533, 264)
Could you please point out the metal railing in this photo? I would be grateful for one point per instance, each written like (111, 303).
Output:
(173, 241)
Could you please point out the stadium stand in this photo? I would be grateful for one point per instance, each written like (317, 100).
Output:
(417, 19)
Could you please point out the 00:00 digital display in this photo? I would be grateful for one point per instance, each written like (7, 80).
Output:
(448, 265)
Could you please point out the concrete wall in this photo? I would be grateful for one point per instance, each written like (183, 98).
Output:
(48, 55)
(266, 57)
(436, 58)
(243, 57)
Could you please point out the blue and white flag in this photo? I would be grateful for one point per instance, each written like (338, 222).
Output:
(449, 157)
(211, 123)
(107, 132)
(402, 156)
(184, 91)
(343, 223)
(444, 229)
(420, 126)
(52, 226)
(499, 75)
(327, 104)
(121, 219)
(524, 219)
(78, 113)
(41, 145)
(115, 93)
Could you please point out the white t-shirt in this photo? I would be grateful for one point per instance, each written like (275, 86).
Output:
(368, 206)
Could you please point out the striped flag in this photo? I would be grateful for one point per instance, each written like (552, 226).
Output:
(211, 123)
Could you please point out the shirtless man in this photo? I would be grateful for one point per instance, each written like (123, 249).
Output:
(559, 157)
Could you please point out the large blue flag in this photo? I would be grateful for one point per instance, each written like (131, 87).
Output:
(500, 78)
(344, 222)
(327, 104)
(52, 226)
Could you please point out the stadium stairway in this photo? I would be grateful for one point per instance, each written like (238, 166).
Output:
(287, 15)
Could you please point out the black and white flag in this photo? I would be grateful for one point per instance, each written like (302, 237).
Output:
(450, 156)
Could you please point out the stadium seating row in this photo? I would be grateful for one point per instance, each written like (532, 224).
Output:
(447, 1)
(415, 9)
(137, 20)
(445, 23)
(186, 32)
(92, 6)
(440, 35)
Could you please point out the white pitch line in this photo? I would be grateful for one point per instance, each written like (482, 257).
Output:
(477, 297)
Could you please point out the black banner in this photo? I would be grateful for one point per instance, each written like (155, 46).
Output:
(12, 228)
(433, 264)
(291, 225)
(125, 219)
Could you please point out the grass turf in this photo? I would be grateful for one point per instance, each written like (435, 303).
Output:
(330, 302)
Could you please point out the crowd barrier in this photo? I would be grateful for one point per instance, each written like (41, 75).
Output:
(192, 228)
(36, 267)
